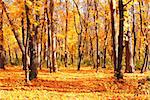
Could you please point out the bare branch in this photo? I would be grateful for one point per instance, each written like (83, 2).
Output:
(127, 3)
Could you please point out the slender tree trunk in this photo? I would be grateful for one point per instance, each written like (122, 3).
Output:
(53, 38)
(145, 63)
(141, 29)
(105, 40)
(66, 30)
(114, 42)
(16, 59)
(22, 26)
(79, 36)
(13, 29)
(1, 39)
(79, 51)
(105, 44)
(23, 40)
(49, 38)
(41, 39)
(91, 52)
(146, 41)
(87, 29)
(26, 59)
(96, 34)
(10, 57)
(135, 37)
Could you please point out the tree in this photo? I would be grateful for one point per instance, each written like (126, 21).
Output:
(133, 31)
(2, 52)
(33, 72)
(79, 36)
(114, 43)
(66, 30)
(146, 42)
(106, 27)
(96, 34)
(32, 45)
(53, 38)
(129, 54)
(129, 57)
(120, 39)
(46, 9)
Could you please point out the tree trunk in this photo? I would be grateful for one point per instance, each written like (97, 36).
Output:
(48, 33)
(129, 54)
(79, 36)
(21, 46)
(146, 41)
(32, 45)
(133, 31)
(41, 40)
(13, 29)
(114, 42)
(120, 39)
(105, 40)
(91, 52)
(105, 47)
(2, 56)
(53, 38)
(145, 63)
(79, 51)
(96, 34)
(66, 30)
(17, 59)
(23, 40)
(141, 29)
(10, 57)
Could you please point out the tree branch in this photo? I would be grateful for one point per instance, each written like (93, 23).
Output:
(12, 28)
(127, 3)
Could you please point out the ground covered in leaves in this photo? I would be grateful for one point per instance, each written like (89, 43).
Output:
(69, 84)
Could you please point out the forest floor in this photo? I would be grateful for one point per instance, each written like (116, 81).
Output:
(69, 84)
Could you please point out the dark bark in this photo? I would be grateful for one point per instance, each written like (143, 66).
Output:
(145, 63)
(141, 29)
(26, 59)
(23, 40)
(32, 45)
(48, 33)
(23, 30)
(9, 52)
(134, 33)
(17, 59)
(92, 52)
(105, 44)
(13, 29)
(41, 40)
(66, 30)
(120, 39)
(2, 56)
(113, 36)
(146, 41)
(52, 36)
(79, 51)
(79, 36)
(96, 34)
(86, 32)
